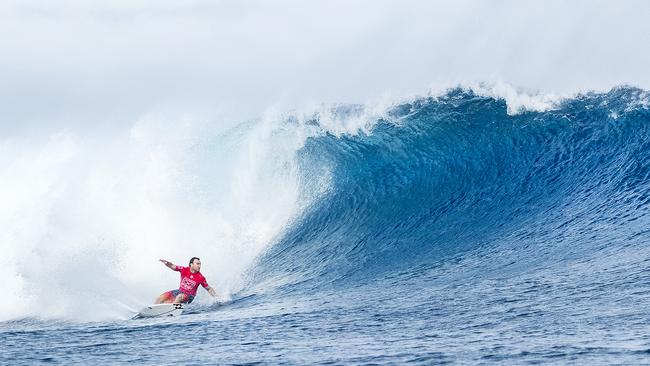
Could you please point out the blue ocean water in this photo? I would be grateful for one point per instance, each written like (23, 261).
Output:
(452, 232)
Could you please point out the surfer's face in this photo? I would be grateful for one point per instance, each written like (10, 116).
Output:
(196, 265)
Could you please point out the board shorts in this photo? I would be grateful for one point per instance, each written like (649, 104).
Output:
(173, 293)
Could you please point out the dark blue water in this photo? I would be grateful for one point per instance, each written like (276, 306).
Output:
(453, 232)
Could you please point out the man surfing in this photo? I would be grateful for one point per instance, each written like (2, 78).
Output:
(191, 278)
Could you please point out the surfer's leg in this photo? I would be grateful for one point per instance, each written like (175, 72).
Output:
(165, 298)
(180, 298)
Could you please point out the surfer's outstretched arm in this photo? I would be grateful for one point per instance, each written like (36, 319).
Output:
(211, 291)
(169, 264)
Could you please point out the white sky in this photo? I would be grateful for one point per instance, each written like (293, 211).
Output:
(95, 64)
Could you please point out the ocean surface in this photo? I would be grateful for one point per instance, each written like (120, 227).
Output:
(447, 229)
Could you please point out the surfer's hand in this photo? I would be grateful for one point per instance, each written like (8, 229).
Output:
(212, 292)
(167, 263)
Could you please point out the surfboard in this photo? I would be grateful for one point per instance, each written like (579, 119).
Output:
(160, 310)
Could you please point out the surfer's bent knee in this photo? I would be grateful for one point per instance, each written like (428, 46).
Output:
(180, 298)
(177, 296)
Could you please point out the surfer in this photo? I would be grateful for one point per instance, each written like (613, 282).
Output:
(191, 278)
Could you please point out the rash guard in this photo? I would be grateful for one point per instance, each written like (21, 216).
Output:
(190, 281)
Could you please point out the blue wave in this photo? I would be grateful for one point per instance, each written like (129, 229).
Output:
(452, 232)
(446, 176)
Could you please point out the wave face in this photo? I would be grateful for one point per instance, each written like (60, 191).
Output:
(443, 176)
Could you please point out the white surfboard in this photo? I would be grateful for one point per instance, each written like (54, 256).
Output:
(158, 310)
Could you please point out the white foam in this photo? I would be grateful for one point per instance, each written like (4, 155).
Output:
(640, 100)
(517, 100)
(85, 221)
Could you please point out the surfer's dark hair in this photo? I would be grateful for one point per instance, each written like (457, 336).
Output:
(192, 260)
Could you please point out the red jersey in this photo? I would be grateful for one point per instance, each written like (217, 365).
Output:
(190, 281)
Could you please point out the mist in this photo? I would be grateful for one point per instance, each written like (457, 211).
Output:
(98, 66)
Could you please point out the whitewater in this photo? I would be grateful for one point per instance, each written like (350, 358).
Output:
(474, 225)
